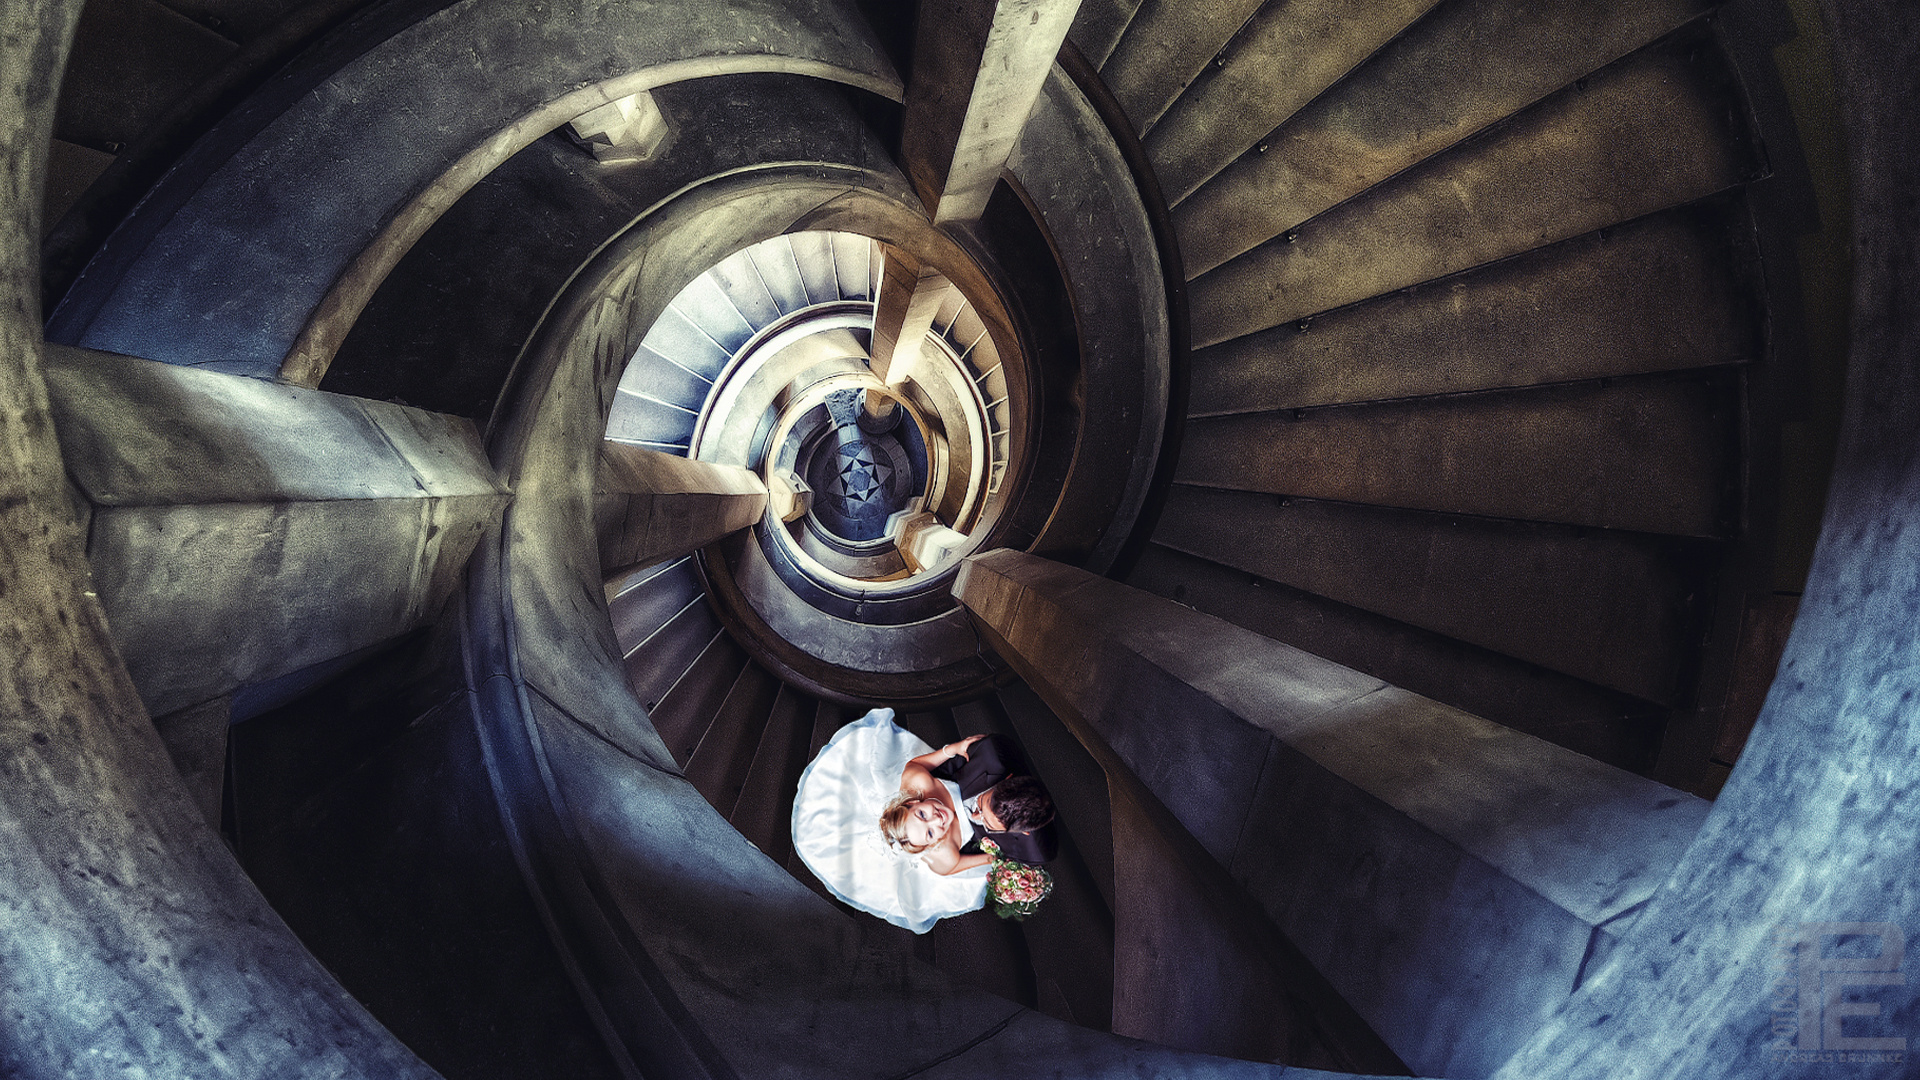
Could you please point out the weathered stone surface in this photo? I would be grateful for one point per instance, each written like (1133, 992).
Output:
(1355, 813)
(1817, 824)
(243, 530)
(1656, 130)
(651, 507)
(203, 289)
(1652, 455)
(1454, 72)
(130, 942)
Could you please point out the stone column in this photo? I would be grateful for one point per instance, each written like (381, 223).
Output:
(241, 530)
(651, 507)
(978, 68)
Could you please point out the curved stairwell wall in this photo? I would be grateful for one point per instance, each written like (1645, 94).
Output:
(1404, 380)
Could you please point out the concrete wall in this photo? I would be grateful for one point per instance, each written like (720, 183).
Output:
(1817, 825)
(132, 942)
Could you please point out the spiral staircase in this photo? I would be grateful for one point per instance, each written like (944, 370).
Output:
(1470, 347)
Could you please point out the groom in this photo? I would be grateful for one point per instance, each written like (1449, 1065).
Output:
(1005, 798)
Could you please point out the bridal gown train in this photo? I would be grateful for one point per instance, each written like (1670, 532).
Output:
(836, 829)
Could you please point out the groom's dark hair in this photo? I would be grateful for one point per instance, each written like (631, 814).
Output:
(1022, 803)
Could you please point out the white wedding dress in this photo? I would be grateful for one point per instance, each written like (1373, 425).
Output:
(836, 829)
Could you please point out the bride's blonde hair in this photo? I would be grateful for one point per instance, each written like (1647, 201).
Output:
(893, 819)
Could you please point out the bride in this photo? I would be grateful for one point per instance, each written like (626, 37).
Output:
(881, 832)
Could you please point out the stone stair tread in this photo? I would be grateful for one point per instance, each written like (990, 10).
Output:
(1656, 454)
(1168, 44)
(688, 707)
(1603, 724)
(718, 766)
(1677, 289)
(1659, 129)
(653, 668)
(764, 810)
(1232, 107)
(1462, 68)
(1613, 608)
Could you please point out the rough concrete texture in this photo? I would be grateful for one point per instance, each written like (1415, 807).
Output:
(1655, 130)
(1662, 293)
(241, 530)
(1452, 73)
(132, 943)
(1068, 166)
(196, 739)
(651, 507)
(1355, 813)
(494, 80)
(1723, 976)
(978, 70)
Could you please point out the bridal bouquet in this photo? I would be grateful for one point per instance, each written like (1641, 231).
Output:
(1015, 888)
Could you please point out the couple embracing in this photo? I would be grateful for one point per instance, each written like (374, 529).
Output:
(910, 833)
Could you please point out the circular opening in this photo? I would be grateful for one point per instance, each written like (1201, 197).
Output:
(882, 475)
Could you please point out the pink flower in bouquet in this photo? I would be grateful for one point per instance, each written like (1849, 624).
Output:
(1015, 888)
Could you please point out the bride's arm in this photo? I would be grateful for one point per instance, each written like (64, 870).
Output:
(946, 859)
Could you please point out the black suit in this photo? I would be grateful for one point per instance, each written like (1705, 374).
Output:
(990, 761)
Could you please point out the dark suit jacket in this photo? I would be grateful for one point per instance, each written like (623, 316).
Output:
(990, 761)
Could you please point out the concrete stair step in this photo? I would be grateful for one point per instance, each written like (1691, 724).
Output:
(685, 711)
(1099, 25)
(1613, 608)
(764, 810)
(711, 308)
(652, 599)
(819, 272)
(662, 378)
(1236, 103)
(719, 765)
(1603, 724)
(1465, 66)
(1070, 939)
(1655, 454)
(653, 668)
(654, 424)
(678, 335)
(779, 269)
(827, 718)
(1167, 45)
(1662, 128)
(1677, 289)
